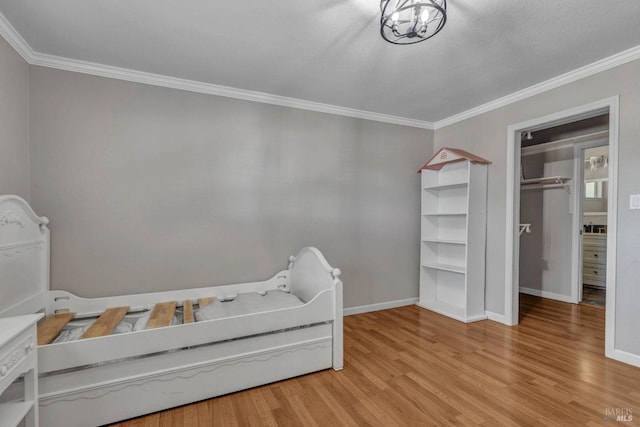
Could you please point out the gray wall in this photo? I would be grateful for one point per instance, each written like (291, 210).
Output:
(486, 136)
(150, 189)
(545, 253)
(14, 122)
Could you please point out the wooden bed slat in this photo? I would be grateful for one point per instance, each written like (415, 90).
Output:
(204, 301)
(50, 327)
(162, 315)
(187, 311)
(106, 323)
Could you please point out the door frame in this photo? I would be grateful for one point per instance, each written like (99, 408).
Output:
(512, 237)
(578, 220)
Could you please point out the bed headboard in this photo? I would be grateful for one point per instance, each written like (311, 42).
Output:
(24, 258)
(310, 273)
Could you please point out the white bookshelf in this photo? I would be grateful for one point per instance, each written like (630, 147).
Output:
(453, 235)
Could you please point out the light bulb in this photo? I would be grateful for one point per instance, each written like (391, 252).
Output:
(395, 17)
(425, 15)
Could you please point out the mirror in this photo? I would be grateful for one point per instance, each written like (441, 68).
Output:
(595, 196)
(595, 189)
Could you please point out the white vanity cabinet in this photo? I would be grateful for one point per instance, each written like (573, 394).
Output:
(594, 259)
(18, 357)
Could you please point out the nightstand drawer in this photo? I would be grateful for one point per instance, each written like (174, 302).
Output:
(594, 254)
(594, 274)
(594, 281)
(19, 356)
(16, 357)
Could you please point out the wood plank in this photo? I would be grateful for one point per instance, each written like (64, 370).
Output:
(49, 328)
(162, 315)
(187, 311)
(204, 301)
(106, 323)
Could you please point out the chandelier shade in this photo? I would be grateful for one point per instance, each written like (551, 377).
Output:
(411, 21)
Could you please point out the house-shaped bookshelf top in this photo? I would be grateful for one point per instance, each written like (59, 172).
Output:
(449, 155)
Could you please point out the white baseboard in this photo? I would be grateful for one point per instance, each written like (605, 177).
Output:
(625, 357)
(545, 294)
(379, 306)
(496, 317)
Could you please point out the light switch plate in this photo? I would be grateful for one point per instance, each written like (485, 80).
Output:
(634, 201)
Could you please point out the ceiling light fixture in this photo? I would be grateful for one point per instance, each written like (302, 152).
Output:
(411, 21)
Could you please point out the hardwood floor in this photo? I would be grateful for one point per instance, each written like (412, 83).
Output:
(409, 366)
(594, 296)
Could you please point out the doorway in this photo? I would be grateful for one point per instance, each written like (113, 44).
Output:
(594, 165)
(552, 182)
(512, 231)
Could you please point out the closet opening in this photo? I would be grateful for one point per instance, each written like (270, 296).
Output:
(549, 168)
(563, 210)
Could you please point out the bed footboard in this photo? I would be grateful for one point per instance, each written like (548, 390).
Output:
(311, 274)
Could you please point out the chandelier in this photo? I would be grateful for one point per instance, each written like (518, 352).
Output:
(411, 21)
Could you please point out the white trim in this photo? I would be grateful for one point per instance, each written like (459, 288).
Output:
(578, 218)
(34, 58)
(563, 79)
(512, 244)
(15, 39)
(51, 61)
(496, 317)
(623, 356)
(512, 250)
(348, 311)
(218, 90)
(545, 294)
(612, 229)
(577, 223)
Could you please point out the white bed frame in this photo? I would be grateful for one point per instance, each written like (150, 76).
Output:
(101, 380)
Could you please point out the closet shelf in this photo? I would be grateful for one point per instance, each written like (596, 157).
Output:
(446, 267)
(445, 214)
(446, 186)
(450, 242)
(546, 182)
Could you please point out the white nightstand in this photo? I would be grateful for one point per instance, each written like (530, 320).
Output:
(18, 356)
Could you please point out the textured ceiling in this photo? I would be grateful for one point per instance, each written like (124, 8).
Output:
(331, 51)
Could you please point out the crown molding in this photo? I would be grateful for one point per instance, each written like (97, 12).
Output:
(34, 58)
(15, 39)
(101, 70)
(555, 82)
(51, 61)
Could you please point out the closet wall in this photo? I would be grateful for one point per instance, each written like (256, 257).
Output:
(545, 253)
